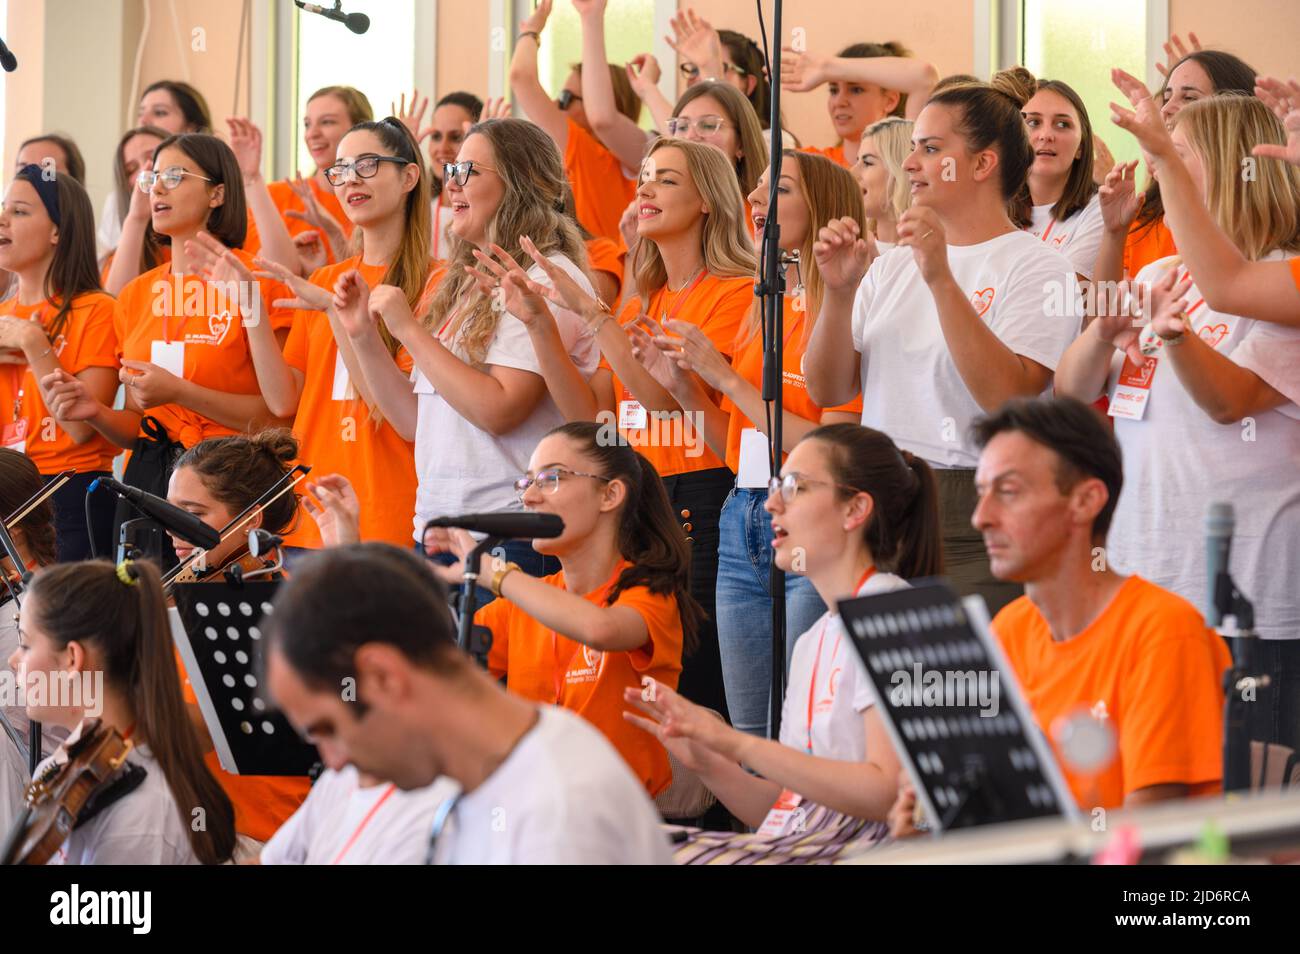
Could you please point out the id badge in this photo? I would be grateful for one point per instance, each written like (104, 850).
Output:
(785, 817)
(631, 416)
(1133, 389)
(170, 356)
(755, 468)
(14, 436)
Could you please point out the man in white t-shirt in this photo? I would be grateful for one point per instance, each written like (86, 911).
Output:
(362, 659)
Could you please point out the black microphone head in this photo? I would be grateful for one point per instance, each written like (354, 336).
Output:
(357, 22)
(8, 61)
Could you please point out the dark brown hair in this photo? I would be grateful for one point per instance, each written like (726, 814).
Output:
(649, 536)
(1076, 433)
(74, 270)
(127, 624)
(228, 222)
(1228, 74)
(190, 102)
(76, 163)
(863, 51)
(903, 532)
(989, 117)
(124, 188)
(19, 482)
(238, 469)
(746, 54)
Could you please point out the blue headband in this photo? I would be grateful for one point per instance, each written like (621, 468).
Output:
(45, 188)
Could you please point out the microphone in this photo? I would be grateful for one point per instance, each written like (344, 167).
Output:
(7, 58)
(356, 22)
(1219, 524)
(511, 525)
(172, 518)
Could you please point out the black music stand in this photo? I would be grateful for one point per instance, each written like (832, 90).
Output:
(970, 764)
(215, 626)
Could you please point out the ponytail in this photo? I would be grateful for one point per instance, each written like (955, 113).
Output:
(649, 536)
(903, 533)
(122, 612)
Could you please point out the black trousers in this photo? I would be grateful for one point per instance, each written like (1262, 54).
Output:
(697, 500)
(73, 538)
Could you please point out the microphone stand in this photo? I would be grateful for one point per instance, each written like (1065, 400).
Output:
(24, 574)
(771, 292)
(1238, 623)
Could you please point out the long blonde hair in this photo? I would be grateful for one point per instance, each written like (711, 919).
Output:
(725, 242)
(530, 166)
(893, 138)
(830, 192)
(1260, 212)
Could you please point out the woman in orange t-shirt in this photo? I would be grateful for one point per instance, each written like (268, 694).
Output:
(59, 321)
(216, 480)
(811, 192)
(180, 338)
(316, 379)
(619, 611)
(602, 182)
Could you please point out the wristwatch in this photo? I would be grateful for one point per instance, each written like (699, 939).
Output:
(499, 576)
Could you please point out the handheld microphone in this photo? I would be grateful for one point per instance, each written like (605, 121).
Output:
(356, 22)
(7, 58)
(172, 518)
(511, 525)
(1220, 522)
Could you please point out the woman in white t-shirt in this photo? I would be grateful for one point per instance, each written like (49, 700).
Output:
(1065, 211)
(107, 628)
(480, 403)
(966, 313)
(886, 194)
(1206, 403)
(849, 506)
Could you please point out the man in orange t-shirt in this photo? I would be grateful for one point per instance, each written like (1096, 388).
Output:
(1085, 642)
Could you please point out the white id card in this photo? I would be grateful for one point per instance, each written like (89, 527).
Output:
(343, 389)
(785, 817)
(755, 467)
(170, 356)
(631, 416)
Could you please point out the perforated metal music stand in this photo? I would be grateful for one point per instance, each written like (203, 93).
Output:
(216, 629)
(975, 757)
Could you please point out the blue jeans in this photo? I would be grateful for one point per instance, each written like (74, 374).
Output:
(744, 607)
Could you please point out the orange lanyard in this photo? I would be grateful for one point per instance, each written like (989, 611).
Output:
(364, 822)
(1048, 231)
(812, 683)
(1191, 308)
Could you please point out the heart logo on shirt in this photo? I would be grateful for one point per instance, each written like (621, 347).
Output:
(1213, 334)
(982, 300)
(218, 325)
(1059, 241)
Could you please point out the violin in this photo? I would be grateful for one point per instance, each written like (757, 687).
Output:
(94, 775)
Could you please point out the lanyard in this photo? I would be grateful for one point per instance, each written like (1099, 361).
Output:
(812, 683)
(439, 826)
(681, 298)
(167, 318)
(1197, 304)
(1048, 230)
(365, 821)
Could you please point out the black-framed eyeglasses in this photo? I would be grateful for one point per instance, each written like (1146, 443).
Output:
(690, 70)
(170, 178)
(366, 168)
(789, 485)
(548, 480)
(704, 125)
(459, 172)
(566, 98)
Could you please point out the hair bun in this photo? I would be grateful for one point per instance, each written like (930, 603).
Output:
(278, 442)
(1015, 82)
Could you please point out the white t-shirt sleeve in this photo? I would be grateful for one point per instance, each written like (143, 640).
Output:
(1085, 238)
(512, 347)
(863, 299)
(863, 699)
(1273, 352)
(1042, 309)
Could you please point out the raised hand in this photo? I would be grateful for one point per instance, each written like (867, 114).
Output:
(336, 510)
(1102, 160)
(697, 42)
(590, 8)
(311, 251)
(246, 144)
(535, 22)
(412, 117)
(627, 223)
(315, 215)
(563, 290)
(1143, 120)
(215, 262)
(801, 72)
(1175, 50)
(523, 297)
(306, 296)
(692, 733)
(1168, 307)
(643, 73)
(148, 384)
(691, 350)
(842, 255)
(351, 303)
(1118, 197)
(1284, 100)
(1120, 320)
(388, 304)
(642, 333)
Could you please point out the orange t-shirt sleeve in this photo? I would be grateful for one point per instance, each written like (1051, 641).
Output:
(94, 343)
(273, 291)
(1172, 729)
(600, 189)
(496, 617)
(726, 315)
(1295, 272)
(295, 346)
(663, 647)
(853, 407)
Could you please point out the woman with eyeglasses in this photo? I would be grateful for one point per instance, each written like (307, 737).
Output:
(865, 82)
(619, 611)
(812, 191)
(134, 152)
(886, 193)
(452, 117)
(480, 401)
(1135, 232)
(965, 313)
(317, 379)
(856, 516)
(59, 321)
(182, 339)
(603, 184)
(173, 107)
